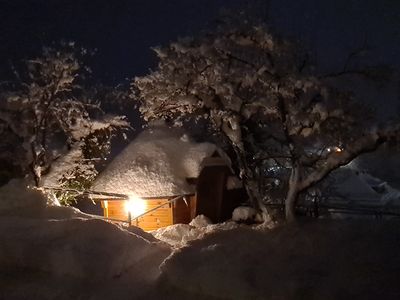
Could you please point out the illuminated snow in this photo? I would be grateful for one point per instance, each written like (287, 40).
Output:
(60, 255)
(156, 163)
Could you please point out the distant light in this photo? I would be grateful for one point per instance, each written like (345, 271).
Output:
(136, 206)
(335, 149)
(338, 149)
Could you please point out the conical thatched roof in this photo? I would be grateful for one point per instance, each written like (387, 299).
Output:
(157, 163)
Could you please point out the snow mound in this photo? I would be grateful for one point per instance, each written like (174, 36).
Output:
(78, 258)
(79, 248)
(243, 214)
(180, 235)
(156, 163)
(50, 252)
(200, 221)
(140, 232)
(18, 199)
(317, 260)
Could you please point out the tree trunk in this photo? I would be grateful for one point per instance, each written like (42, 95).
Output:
(248, 181)
(233, 133)
(34, 165)
(292, 194)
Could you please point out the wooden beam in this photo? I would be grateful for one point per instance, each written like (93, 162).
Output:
(116, 196)
(157, 207)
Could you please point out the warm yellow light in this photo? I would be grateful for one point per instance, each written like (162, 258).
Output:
(335, 149)
(338, 149)
(136, 206)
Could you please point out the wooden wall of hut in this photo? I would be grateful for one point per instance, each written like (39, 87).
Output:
(210, 191)
(159, 218)
(213, 199)
(183, 209)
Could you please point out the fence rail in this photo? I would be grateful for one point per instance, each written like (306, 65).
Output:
(316, 208)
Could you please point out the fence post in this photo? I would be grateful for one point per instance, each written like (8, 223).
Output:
(129, 218)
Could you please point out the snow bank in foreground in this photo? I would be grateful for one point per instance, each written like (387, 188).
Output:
(55, 252)
(80, 258)
(79, 248)
(317, 260)
(16, 199)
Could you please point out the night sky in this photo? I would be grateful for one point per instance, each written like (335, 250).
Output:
(122, 31)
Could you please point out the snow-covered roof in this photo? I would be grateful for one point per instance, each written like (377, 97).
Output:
(157, 163)
(356, 188)
(362, 188)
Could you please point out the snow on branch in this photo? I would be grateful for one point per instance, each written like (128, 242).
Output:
(58, 119)
(260, 97)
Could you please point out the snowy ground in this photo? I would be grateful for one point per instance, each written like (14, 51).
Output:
(317, 260)
(58, 253)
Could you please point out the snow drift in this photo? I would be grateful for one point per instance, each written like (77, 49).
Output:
(180, 235)
(316, 260)
(54, 253)
(65, 246)
(87, 249)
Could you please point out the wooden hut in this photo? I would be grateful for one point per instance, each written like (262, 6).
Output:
(170, 180)
(162, 211)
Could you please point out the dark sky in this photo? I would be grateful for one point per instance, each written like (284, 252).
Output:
(122, 31)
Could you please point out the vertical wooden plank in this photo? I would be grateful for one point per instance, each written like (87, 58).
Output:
(104, 205)
(193, 204)
(181, 212)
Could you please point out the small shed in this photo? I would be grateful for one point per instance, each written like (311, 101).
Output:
(170, 179)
